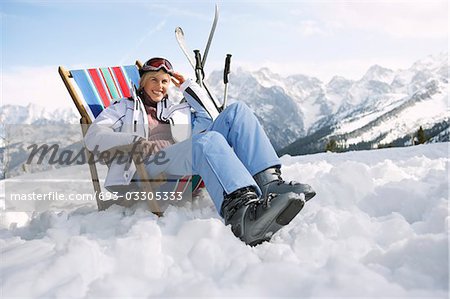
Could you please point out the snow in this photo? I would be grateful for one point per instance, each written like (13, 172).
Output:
(424, 113)
(384, 104)
(379, 73)
(378, 227)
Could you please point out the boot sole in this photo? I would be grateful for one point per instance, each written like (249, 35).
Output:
(286, 216)
(309, 195)
(283, 218)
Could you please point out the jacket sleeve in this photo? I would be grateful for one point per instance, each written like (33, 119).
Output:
(198, 99)
(104, 133)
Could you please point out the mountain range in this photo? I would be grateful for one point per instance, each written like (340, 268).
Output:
(385, 107)
(302, 114)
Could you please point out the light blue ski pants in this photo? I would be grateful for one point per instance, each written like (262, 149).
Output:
(226, 156)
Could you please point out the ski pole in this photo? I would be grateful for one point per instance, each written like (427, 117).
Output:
(198, 67)
(226, 72)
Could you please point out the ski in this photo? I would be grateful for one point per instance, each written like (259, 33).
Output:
(182, 42)
(211, 34)
(179, 34)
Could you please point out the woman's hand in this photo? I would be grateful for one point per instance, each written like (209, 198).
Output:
(177, 79)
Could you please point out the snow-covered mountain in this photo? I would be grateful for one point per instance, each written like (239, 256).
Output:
(376, 229)
(35, 148)
(22, 127)
(36, 115)
(266, 94)
(383, 108)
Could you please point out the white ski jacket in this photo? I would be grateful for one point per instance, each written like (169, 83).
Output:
(125, 121)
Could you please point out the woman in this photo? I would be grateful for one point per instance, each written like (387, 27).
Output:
(230, 151)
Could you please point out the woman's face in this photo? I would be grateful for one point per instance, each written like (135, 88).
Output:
(157, 84)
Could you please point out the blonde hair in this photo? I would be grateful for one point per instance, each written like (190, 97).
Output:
(144, 79)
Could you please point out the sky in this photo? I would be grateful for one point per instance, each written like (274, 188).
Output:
(315, 38)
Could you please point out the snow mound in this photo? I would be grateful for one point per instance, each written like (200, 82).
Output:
(378, 227)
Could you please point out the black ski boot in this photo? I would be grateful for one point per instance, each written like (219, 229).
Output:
(255, 220)
(292, 194)
(271, 184)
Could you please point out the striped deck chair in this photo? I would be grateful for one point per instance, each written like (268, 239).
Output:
(94, 89)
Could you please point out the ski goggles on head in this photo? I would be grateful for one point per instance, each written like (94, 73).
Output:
(156, 64)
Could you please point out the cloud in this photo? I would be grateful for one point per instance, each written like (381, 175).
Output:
(310, 28)
(400, 19)
(38, 85)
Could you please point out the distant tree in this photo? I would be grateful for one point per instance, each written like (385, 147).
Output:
(385, 145)
(331, 146)
(421, 138)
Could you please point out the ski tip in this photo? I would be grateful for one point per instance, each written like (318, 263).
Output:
(179, 30)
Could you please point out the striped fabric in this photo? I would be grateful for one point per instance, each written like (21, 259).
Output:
(102, 86)
(183, 184)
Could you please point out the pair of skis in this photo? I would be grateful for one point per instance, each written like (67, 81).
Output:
(197, 62)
